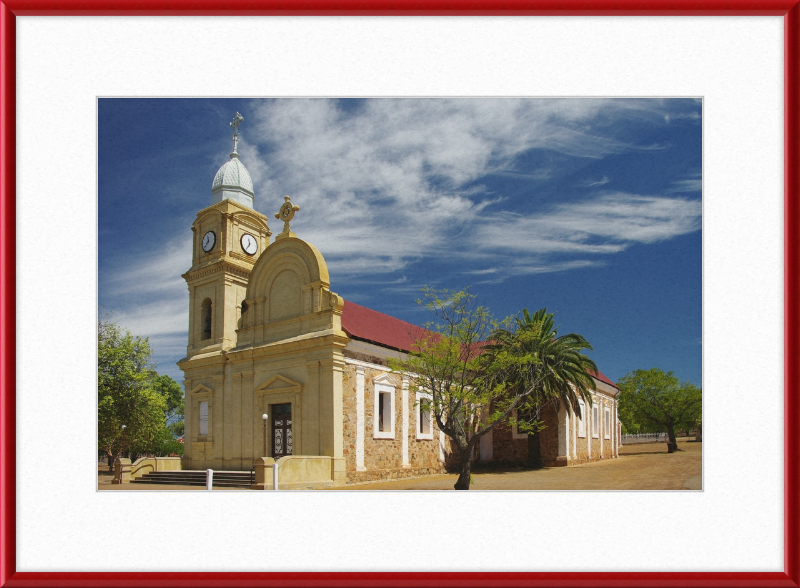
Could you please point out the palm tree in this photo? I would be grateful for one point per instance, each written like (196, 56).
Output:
(559, 376)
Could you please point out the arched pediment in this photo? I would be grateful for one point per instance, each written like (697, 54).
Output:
(247, 218)
(203, 216)
(288, 295)
(287, 254)
(291, 280)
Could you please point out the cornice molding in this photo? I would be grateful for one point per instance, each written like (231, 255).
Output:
(219, 266)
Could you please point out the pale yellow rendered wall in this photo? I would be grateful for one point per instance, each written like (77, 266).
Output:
(283, 351)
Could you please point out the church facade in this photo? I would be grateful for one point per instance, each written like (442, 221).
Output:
(278, 364)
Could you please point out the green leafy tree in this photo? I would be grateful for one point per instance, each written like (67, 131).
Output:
(164, 444)
(478, 371)
(629, 424)
(655, 401)
(176, 428)
(172, 393)
(130, 413)
(447, 362)
(549, 369)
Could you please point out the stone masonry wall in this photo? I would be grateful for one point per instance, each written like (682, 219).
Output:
(507, 449)
(581, 443)
(383, 458)
(583, 454)
(549, 435)
(349, 417)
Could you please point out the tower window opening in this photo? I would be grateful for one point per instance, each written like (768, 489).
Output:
(206, 319)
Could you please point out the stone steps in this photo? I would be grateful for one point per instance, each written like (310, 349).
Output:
(222, 479)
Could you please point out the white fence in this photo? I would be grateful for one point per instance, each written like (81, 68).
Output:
(644, 438)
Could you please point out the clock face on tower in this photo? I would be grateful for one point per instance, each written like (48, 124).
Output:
(249, 244)
(208, 241)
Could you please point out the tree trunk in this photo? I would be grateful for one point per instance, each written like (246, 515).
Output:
(110, 459)
(535, 452)
(466, 467)
(671, 437)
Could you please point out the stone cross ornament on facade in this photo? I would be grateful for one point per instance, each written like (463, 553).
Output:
(286, 213)
(237, 120)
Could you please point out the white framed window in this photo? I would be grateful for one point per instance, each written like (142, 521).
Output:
(607, 424)
(515, 432)
(582, 418)
(383, 411)
(595, 421)
(424, 416)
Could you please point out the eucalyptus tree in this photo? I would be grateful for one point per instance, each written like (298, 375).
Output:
(657, 401)
(449, 365)
(130, 412)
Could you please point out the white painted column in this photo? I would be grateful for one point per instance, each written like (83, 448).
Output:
(441, 446)
(589, 425)
(574, 434)
(405, 423)
(616, 427)
(601, 426)
(486, 444)
(360, 419)
(613, 420)
(563, 433)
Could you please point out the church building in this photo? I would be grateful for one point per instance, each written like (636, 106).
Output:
(269, 338)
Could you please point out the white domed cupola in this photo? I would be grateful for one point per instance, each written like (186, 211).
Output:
(233, 181)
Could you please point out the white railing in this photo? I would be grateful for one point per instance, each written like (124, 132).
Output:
(644, 438)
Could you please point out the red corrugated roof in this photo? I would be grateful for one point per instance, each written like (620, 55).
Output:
(370, 325)
(603, 378)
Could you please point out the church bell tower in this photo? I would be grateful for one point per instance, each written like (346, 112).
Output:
(228, 238)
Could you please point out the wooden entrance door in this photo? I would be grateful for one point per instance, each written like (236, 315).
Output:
(281, 430)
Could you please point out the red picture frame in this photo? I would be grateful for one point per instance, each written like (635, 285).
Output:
(789, 9)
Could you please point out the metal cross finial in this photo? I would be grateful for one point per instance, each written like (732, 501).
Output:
(237, 120)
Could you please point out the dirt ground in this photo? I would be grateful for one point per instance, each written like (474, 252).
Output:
(639, 467)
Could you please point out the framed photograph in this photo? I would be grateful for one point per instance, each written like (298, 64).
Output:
(64, 65)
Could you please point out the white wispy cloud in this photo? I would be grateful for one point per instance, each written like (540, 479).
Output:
(607, 224)
(148, 297)
(155, 273)
(388, 183)
(594, 183)
(396, 177)
(692, 183)
(167, 316)
(688, 115)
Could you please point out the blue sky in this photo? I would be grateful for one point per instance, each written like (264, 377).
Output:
(589, 207)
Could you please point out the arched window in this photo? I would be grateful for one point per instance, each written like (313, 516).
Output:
(205, 319)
